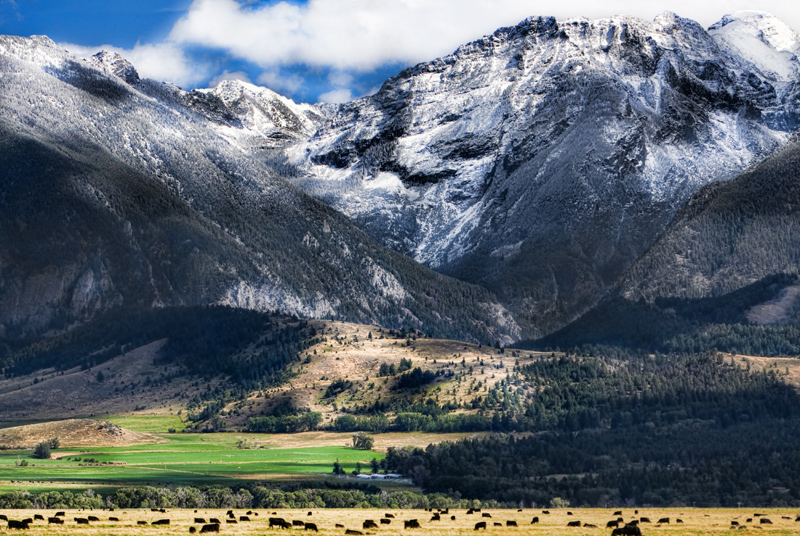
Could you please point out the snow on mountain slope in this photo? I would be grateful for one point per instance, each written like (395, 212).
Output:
(542, 160)
(120, 191)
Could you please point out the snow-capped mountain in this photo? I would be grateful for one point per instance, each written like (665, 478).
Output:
(542, 160)
(118, 191)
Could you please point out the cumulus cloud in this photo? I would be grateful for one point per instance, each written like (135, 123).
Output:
(361, 35)
(227, 75)
(163, 61)
(337, 96)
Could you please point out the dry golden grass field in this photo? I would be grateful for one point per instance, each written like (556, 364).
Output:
(695, 522)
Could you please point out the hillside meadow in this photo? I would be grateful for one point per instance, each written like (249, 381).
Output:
(694, 521)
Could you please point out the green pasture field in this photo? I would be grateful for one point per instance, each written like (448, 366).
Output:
(151, 424)
(184, 459)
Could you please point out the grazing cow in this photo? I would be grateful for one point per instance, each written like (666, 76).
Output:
(232, 521)
(154, 509)
(55, 521)
(141, 522)
(38, 516)
(60, 514)
(279, 522)
(480, 525)
(229, 513)
(470, 511)
(627, 530)
(435, 517)
(297, 523)
(389, 516)
(369, 524)
(476, 509)
(199, 520)
(93, 518)
(452, 518)
(617, 513)
(589, 526)
(765, 521)
(574, 524)
(81, 521)
(664, 520)
(569, 513)
(339, 526)
(17, 525)
(644, 520)
(486, 514)
(519, 509)
(749, 520)
(192, 530)
(113, 519)
(411, 524)
(734, 523)
(354, 532)
(546, 511)
(210, 527)
(496, 524)
(612, 524)
(535, 520)
(311, 526)
(214, 521)
(635, 522)
(385, 521)
(244, 518)
(510, 523)
(679, 520)
(785, 517)
(160, 522)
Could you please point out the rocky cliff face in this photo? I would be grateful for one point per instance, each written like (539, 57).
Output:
(542, 160)
(119, 191)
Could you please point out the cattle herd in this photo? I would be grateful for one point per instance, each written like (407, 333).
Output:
(620, 524)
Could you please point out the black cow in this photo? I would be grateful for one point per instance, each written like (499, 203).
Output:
(311, 526)
(232, 521)
(765, 521)
(385, 521)
(589, 526)
(480, 525)
(612, 524)
(679, 520)
(411, 524)
(160, 522)
(214, 521)
(635, 522)
(389, 516)
(436, 517)
(17, 525)
(199, 520)
(574, 524)
(55, 521)
(546, 512)
(510, 523)
(81, 521)
(339, 526)
(470, 511)
(535, 520)
(113, 519)
(229, 513)
(644, 520)
(627, 530)
(664, 520)
(734, 523)
(141, 522)
(486, 514)
(308, 514)
(93, 518)
(496, 524)
(617, 513)
(244, 518)
(210, 527)
(38, 516)
(569, 513)
(60, 514)
(279, 522)
(369, 524)
(192, 530)
(297, 523)
(452, 518)
(749, 520)
(354, 532)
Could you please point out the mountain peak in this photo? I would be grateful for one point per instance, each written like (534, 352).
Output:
(115, 64)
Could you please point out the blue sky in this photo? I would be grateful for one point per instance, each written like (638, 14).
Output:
(330, 50)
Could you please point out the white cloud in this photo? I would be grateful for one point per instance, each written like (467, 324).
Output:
(361, 35)
(337, 96)
(277, 82)
(162, 61)
(338, 78)
(227, 75)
